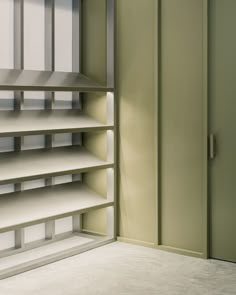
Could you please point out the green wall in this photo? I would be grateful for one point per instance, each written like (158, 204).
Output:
(136, 56)
(160, 55)
(181, 130)
(162, 96)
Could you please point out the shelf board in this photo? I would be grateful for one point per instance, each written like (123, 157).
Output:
(47, 122)
(27, 80)
(49, 203)
(50, 252)
(43, 163)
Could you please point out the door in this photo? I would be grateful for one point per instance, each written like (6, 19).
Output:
(222, 123)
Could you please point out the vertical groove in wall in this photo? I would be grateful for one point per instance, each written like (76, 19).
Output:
(117, 127)
(205, 131)
(158, 121)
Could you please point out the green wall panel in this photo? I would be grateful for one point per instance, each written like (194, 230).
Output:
(181, 125)
(222, 98)
(136, 35)
(181, 85)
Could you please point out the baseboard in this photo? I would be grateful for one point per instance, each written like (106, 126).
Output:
(162, 247)
(181, 251)
(136, 242)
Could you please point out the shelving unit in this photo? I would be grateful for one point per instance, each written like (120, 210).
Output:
(45, 205)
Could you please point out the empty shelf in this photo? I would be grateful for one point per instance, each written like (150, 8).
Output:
(50, 252)
(47, 122)
(39, 205)
(33, 164)
(27, 80)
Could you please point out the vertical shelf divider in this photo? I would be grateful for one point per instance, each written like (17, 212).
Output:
(49, 96)
(77, 48)
(111, 118)
(18, 95)
(77, 220)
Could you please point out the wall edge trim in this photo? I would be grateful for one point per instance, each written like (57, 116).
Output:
(136, 242)
(162, 247)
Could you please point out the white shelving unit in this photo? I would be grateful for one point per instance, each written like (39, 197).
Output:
(45, 205)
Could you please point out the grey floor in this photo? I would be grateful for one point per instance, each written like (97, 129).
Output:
(121, 268)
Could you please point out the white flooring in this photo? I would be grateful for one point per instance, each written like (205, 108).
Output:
(120, 268)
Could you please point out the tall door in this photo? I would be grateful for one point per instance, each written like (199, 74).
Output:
(222, 124)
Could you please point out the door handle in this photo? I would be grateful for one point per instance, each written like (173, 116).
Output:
(212, 146)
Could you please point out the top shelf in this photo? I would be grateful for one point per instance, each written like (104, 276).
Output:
(27, 80)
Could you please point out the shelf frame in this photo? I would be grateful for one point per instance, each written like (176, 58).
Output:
(77, 97)
(26, 123)
(43, 198)
(32, 80)
(112, 118)
(18, 95)
(22, 166)
(97, 241)
(20, 80)
(49, 96)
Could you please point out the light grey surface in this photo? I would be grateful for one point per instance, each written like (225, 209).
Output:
(45, 250)
(28, 80)
(37, 257)
(33, 206)
(43, 163)
(46, 122)
(121, 268)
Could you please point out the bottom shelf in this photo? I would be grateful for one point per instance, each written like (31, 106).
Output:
(64, 247)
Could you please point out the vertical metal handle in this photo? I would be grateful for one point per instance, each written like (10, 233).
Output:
(212, 144)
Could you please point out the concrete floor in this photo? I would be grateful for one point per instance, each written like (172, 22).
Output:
(121, 268)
